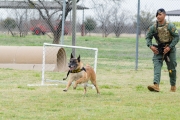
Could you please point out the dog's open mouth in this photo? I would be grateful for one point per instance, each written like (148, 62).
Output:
(71, 67)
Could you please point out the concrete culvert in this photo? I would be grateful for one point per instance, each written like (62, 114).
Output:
(61, 64)
(30, 58)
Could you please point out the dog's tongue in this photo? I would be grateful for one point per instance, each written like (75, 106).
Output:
(71, 68)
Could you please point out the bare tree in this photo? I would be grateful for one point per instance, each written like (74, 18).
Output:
(146, 20)
(20, 22)
(119, 21)
(103, 16)
(47, 16)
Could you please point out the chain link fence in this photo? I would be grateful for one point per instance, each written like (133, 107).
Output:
(106, 18)
(103, 18)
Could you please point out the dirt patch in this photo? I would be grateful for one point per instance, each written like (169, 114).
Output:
(37, 67)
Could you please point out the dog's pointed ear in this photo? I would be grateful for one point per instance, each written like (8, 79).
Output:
(78, 58)
(72, 55)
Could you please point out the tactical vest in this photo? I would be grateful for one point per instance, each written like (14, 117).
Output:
(164, 34)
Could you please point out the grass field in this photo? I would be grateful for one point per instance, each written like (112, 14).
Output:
(124, 94)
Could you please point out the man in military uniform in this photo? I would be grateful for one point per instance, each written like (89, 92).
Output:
(167, 37)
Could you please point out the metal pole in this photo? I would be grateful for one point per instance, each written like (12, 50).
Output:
(95, 61)
(63, 21)
(74, 26)
(26, 31)
(137, 35)
(43, 64)
(83, 26)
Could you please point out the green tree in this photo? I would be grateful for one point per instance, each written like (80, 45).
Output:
(90, 24)
(146, 20)
(9, 24)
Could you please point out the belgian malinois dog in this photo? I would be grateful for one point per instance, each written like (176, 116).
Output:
(80, 74)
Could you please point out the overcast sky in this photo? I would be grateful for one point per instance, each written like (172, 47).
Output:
(149, 5)
(156, 4)
(130, 6)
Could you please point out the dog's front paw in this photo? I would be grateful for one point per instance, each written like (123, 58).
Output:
(65, 90)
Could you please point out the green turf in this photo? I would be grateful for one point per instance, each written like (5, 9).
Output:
(124, 94)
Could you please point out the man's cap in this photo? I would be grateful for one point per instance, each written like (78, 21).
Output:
(160, 11)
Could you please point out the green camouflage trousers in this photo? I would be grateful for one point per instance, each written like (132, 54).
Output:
(158, 63)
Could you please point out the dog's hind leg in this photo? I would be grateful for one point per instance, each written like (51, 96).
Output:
(85, 86)
(95, 84)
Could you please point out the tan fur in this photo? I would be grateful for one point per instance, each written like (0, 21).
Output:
(82, 77)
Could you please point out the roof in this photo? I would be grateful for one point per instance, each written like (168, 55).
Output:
(173, 13)
(25, 5)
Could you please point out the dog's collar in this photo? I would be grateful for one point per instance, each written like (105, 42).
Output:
(78, 70)
(74, 71)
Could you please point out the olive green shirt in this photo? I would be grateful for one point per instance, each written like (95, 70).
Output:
(172, 29)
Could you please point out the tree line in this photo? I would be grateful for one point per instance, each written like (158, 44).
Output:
(107, 19)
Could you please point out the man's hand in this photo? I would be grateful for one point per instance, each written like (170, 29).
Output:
(166, 49)
(154, 49)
